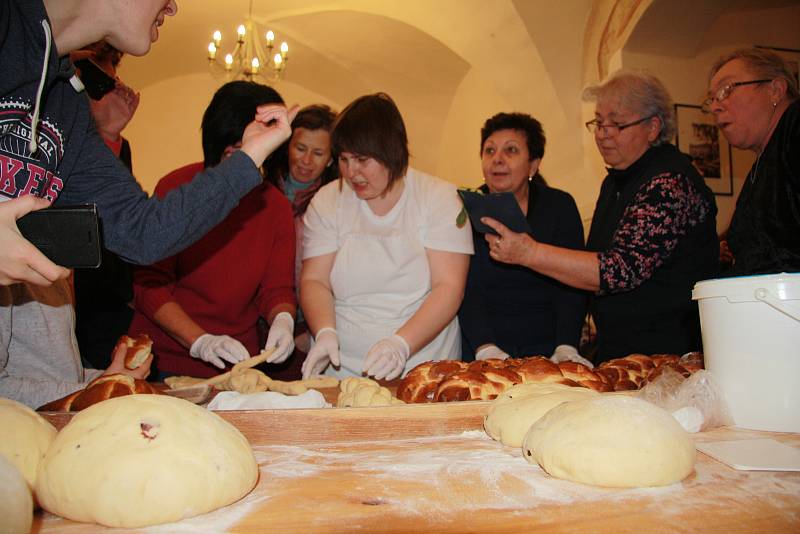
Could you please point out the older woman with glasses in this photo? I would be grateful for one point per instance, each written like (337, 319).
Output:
(653, 233)
(754, 98)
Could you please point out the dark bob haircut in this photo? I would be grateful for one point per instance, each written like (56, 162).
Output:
(521, 122)
(232, 108)
(372, 126)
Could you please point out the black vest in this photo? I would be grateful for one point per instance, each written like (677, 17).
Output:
(659, 316)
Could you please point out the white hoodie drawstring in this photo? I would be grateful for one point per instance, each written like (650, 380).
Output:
(38, 104)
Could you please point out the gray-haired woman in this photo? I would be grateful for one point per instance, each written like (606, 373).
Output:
(653, 233)
(754, 98)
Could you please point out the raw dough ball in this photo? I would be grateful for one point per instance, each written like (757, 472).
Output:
(248, 381)
(26, 445)
(613, 441)
(16, 503)
(530, 388)
(512, 414)
(141, 460)
(357, 392)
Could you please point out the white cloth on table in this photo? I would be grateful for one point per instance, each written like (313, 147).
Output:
(267, 400)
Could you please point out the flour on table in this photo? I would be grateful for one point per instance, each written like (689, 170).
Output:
(442, 463)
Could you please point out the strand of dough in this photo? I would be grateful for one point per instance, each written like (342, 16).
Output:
(254, 381)
(242, 379)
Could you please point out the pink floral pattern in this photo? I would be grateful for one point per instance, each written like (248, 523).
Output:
(662, 212)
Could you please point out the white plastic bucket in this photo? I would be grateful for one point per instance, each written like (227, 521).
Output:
(751, 343)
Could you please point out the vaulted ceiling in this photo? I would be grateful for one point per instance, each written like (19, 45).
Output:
(449, 64)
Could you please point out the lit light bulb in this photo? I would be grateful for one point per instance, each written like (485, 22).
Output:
(284, 50)
(217, 38)
(278, 60)
(270, 38)
(240, 31)
(254, 66)
(228, 61)
(212, 51)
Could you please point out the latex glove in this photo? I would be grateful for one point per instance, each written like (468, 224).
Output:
(324, 351)
(387, 358)
(281, 336)
(213, 349)
(567, 353)
(491, 351)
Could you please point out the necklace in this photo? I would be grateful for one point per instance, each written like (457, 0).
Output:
(755, 168)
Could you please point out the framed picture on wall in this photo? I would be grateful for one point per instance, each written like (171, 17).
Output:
(791, 56)
(699, 138)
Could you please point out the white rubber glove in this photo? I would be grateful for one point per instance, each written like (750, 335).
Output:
(281, 336)
(214, 349)
(491, 351)
(387, 358)
(324, 351)
(567, 353)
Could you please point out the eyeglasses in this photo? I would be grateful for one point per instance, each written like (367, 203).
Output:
(613, 128)
(724, 92)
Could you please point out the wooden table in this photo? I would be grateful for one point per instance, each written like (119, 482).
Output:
(430, 468)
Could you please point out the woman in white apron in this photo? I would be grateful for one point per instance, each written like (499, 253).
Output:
(384, 263)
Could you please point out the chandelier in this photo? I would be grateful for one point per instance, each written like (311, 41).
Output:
(250, 58)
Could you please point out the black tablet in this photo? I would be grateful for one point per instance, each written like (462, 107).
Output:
(502, 207)
(69, 236)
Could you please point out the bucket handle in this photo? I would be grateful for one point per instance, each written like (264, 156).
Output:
(764, 296)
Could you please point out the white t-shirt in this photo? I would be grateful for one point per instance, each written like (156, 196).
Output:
(380, 276)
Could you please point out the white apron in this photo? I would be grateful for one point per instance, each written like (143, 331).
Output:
(380, 278)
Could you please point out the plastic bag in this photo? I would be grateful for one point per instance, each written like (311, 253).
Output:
(697, 402)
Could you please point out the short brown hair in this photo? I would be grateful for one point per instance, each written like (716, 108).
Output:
(765, 64)
(372, 126)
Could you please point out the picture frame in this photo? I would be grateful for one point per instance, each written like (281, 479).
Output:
(791, 55)
(698, 137)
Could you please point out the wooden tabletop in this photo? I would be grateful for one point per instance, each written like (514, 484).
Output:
(431, 468)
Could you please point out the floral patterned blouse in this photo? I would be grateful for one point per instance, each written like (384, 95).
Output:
(663, 211)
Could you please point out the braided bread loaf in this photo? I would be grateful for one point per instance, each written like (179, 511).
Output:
(445, 381)
(101, 388)
(486, 379)
(137, 349)
(635, 370)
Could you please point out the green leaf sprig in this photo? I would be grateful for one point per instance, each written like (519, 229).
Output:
(462, 218)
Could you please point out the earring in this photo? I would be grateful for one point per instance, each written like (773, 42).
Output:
(774, 105)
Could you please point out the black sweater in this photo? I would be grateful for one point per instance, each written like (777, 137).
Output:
(523, 312)
(765, 230)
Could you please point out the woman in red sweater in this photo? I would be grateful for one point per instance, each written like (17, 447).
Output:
(201, 307)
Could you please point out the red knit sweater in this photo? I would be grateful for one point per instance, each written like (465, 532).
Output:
(237, 272)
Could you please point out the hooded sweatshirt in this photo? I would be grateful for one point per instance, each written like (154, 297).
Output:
(49, 147)
(70, 164)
